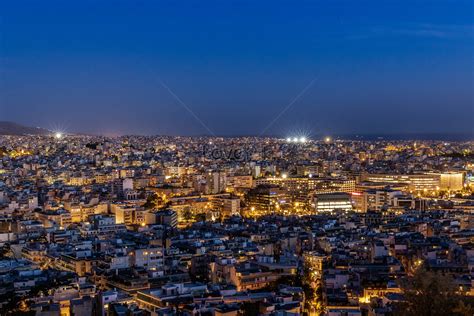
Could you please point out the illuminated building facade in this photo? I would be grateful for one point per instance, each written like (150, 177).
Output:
(415, 182)
(382, 198)
(453, 181)
(226, 206)
(268, 199)
(332, 201)
(301, 189)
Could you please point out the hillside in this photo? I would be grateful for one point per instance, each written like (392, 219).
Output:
(12, 128)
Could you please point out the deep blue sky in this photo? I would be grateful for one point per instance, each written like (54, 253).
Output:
(378, 66)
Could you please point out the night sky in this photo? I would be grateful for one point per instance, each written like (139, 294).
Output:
(241, 67)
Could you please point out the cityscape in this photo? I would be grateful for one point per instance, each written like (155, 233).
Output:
(140, 225)
(237, 158)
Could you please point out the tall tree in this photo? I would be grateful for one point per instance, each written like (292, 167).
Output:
(430, 294)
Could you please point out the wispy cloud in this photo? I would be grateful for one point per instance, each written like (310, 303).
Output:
(418, 30)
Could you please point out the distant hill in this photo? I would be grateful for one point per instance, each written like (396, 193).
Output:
(11, 128)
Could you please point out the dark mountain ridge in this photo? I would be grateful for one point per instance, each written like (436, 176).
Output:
(12, 128)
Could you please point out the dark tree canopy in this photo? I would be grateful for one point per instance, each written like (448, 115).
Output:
(432, 294)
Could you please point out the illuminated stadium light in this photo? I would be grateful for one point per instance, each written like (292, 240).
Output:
(300, 139)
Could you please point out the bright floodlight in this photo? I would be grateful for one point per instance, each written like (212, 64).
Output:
(295, 139)
(288, 139)
(58, 135)
(328, 139)
(284, 176)
(303, 139)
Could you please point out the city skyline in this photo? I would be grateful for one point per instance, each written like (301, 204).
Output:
(237, 158)
(240, 68)
(92, 225)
